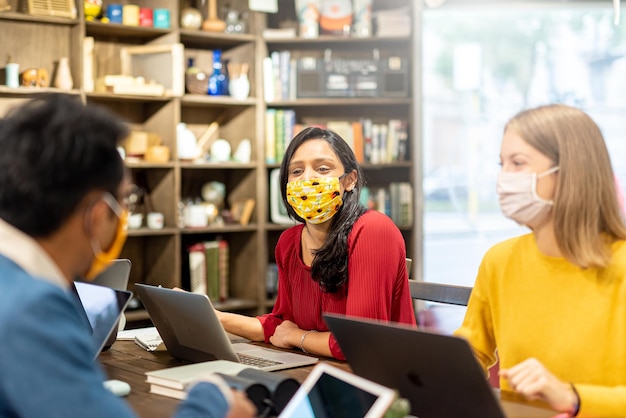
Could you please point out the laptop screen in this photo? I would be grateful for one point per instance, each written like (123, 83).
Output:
(103, 307)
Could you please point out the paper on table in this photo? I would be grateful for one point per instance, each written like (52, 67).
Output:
(146, 338)
(150, 343)
(150, 339)
(130, 334)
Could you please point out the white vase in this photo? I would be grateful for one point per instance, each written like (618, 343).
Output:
(186, 142)
(239, 88)
(63, 78)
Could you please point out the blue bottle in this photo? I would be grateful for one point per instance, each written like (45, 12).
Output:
(217, 80)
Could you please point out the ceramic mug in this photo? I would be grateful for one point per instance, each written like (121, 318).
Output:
(135, 220)
(155, 220)
(12, 71)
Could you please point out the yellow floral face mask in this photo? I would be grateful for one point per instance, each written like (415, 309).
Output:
(102, 259)
(315, 200)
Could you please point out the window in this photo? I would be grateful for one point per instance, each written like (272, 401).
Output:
(481, 65)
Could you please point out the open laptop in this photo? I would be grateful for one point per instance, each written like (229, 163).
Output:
(437, 373)
(115, 276)
(103, 307)
(192, 331)
(331, 392)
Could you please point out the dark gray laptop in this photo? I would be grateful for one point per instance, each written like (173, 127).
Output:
(437, 373)
(191, 331)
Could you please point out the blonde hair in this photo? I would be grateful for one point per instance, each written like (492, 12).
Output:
(587, 217)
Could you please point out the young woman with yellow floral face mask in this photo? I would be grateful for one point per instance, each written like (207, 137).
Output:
(341, 259)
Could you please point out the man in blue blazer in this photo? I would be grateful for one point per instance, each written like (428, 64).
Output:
(62, 186)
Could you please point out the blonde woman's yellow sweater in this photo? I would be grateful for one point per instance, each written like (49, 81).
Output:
(572, 320)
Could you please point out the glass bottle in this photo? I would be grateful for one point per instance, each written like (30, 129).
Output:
(217, 80)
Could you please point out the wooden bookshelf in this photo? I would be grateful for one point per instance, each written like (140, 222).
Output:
(159, 256)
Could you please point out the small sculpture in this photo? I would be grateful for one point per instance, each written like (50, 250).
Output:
(35, 77)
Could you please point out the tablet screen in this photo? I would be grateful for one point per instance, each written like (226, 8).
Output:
(332, 393)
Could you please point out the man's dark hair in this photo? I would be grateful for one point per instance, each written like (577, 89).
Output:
(54, 151)
(330, 265)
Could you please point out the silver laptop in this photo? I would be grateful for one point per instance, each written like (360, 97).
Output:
(103, 307)
(115, 276)
(192, 331)
(437, 373)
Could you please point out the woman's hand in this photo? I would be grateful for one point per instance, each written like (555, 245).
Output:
(534, 381)
(284, 335)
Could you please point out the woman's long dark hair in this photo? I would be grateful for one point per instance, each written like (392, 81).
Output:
(330, 265)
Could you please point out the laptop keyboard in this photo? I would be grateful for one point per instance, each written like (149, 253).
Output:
(256, 361)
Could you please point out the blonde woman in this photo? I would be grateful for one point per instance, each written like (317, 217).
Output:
(553, 302)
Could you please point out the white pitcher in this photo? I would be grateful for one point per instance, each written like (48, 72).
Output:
(186, 144)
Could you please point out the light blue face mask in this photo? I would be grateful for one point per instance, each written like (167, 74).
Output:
(519, 199)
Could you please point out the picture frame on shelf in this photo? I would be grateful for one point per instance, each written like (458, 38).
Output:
(278, 212)
(148, 62)
(241, 211)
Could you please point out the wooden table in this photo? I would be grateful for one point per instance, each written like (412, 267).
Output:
(128, 362)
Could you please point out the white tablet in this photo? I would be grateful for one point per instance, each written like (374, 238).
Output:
(332, 392)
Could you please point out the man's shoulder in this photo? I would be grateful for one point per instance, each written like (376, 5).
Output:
(13, 277)
(20, 290)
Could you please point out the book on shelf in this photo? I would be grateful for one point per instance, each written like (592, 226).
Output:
(289, 125)
(222, 259)
(268, 80)
(279, 134)
(284, 72)
(208, 269)
(276, 85)
(357, 141)
(211, 252)
(270, 136)
(197, 269)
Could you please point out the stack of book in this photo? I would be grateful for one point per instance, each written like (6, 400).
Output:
(269, 391)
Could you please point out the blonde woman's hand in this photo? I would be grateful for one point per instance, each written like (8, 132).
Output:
(533, 380)
(284, 335)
